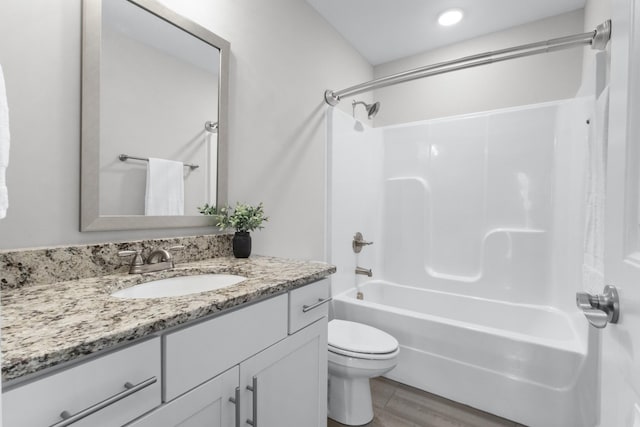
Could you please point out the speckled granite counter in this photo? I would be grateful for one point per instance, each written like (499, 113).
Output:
(44, 325)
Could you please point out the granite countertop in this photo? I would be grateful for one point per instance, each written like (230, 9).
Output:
(44, 325)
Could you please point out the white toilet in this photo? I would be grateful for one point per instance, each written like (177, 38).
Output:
(357, 352)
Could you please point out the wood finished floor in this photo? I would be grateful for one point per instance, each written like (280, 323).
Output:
(398, 405)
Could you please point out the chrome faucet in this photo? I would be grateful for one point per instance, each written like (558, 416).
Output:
(158, 260)
(364, 271)
(359, 242)
(159, 255)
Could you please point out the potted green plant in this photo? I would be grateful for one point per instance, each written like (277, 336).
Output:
(243, 218)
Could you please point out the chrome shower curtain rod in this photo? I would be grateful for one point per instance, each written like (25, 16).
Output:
(597, 38)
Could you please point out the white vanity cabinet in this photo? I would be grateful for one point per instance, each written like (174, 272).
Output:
(280, 348)
(109, 390)
(261, 365)
(285, 385)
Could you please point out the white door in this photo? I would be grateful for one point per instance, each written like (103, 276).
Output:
(620, 391)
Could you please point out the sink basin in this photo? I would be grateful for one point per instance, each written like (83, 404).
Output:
(177, 286)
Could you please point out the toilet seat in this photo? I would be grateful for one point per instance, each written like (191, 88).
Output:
(367, 356)
(360, 341)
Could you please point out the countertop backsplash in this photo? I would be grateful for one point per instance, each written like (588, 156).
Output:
(56, 264)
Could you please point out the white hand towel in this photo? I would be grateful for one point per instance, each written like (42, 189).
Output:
(4, 147)
(165, 188)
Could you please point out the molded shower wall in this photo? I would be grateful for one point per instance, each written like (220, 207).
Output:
(486, 204)
(354, 195)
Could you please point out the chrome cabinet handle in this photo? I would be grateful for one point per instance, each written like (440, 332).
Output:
(236, 401)
(601, 309)
(321, 301)
(254, 389)
(68, 419)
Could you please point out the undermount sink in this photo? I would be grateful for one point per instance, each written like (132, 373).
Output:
(177, 286)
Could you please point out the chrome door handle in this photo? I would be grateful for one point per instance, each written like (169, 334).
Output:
(236, 401)
(68, 419)
(253, 388)
(321, 301)
(600, 309)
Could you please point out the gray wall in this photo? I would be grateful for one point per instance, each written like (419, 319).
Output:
(516, 82)
(280, 68)
(283, 57)
(596, 11)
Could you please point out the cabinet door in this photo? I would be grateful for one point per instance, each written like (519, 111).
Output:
(286, 384)
(207, 405)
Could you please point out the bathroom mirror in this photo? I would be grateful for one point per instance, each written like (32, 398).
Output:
(154, 85)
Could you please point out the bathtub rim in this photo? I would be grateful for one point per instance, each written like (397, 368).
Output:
(576, 344)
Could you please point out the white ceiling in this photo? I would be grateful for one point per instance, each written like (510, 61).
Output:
(385, 30)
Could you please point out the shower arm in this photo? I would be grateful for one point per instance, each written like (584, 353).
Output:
(353, 106)
(597, 39)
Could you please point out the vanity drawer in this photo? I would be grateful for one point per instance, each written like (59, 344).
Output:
(87, 386)
(308, 304)
(195, 354)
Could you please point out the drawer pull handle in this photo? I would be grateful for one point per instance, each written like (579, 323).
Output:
(253, 388)
(321, 301)
(68, 419)
(236, 401)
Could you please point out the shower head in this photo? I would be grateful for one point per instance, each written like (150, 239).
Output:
(372, 109)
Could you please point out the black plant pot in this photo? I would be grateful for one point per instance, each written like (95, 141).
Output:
(242, 244)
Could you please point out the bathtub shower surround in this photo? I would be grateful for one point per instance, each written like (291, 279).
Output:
(476, 261)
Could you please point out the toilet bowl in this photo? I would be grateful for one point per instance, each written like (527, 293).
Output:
(357, 352)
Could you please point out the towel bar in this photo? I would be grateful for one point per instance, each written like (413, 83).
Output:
(124, 157)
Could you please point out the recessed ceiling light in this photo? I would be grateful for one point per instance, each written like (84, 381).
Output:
(450, 17)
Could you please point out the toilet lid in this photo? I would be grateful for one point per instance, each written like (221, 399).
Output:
(358, 338)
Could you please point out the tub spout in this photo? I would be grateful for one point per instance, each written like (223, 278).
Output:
(364, 271)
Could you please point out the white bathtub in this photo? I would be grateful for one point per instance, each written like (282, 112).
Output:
(522, 362)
